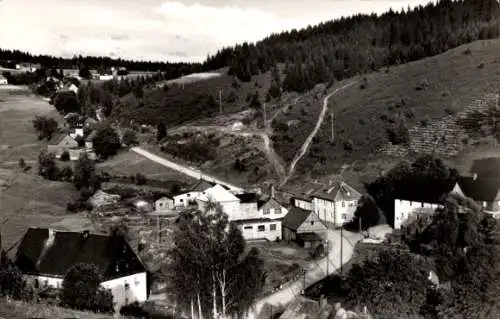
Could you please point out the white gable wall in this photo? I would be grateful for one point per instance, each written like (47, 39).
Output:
(270, 230)
(182, 200)
(164, 203)
(137, 289)
(44, 281)
(405, 208)
(337, 213)
(302, 204)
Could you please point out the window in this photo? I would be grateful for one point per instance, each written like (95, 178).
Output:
(278, 210)
(410, 203)
(484, 204)
(161, 204)
(272, 227)
(312, 222)
(126, 301)
(188, 195)
(45, 283)
(248, 227)
(343, 216)
(261, 228)
(266, 212)
(343, 204)
(422, 205)
(181, 200)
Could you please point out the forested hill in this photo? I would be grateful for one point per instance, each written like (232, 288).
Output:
(362, 43)
(333, 50)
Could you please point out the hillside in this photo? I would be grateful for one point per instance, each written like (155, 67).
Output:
(418, 94)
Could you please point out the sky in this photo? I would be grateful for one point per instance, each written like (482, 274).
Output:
(161, 30)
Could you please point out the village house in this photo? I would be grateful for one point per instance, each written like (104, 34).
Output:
(185, 199)
(304, 227)
(304, 202)
(418, 199)
(229, 203)
(3, 80)
(165, 203)
(335, 203)
(44, 256)
(61, 142)
(271, 208)
(483, 190)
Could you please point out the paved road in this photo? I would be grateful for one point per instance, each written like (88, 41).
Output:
(316, 272)
(305, 146)
(181, 168)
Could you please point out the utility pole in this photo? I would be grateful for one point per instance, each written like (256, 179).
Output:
(182, 79)
(265, 117)
(331, 120)
(158, 226)
(220, 101)
(360, 229)
(341, 247)
(327, 257)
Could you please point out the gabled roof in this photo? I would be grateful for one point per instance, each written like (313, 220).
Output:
(168, 197)
(201, 186)
(262, 202)
(248, 198)
(217, 194)
(295, 217)
(423, 192)
(305, 308)
(337, 190)
(58, 138)
(38, 255)
(481, 188)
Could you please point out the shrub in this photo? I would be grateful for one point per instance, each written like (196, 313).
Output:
(66, 174)
(45, 127)
(133, 310)
(22, 164)
(480, 66)
(399, 134)
(106, 141)
(467, 51)
(140, 179)
(348, 145)
(449, 111)
(424, 122)
(129, 137)
(65, 156)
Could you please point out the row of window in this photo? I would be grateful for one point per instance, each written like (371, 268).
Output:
(268, 211)
(261, 228)
(331, 204)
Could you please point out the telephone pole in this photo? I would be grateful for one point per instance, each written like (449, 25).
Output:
(327, 257)
(220, 101)
(158, 226)
(331, 120)
(265, 116)
(360, 229)
(341, 247)
(182, 79)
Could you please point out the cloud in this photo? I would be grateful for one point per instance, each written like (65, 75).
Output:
(158, 29)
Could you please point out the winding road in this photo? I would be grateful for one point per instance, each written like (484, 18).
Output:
(303, 149)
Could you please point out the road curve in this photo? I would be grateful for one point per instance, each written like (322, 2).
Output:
(182, 169)
(305, 146)
(316, 272)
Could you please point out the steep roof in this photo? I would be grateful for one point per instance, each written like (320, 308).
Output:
(201, 186)
(337, 190)
(262, 202)
(426, 192)
(217, 194)
(248, 198)
(39, 255)
(480, 188)
(58, 138)
(295, 217)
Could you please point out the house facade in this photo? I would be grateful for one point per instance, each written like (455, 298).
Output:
(302, 202)
(335, 203)
(61, 143)
(405, 208)
(186, 199)
(3, 80)
(260, 228)
(485, 191)
(271, 208)
(164, 203)
(299, 222)
(228, 201)
(45, 255)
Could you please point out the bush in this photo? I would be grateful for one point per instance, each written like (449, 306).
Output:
(424, 122)
(106, 142)
(348, 145)
(467, 51)
(133, 310)
(65, 156)
(129, 137)
(66, 174)
(45, 127)
(140, 179)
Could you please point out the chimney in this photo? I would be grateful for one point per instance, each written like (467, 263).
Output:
(322, 301)
(474, 176)
(272, 191)
(85, 234)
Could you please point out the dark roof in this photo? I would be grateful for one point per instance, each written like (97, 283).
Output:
(310, 237)
(262, 202)
(248, 198)
(337, 188)
(426, 192)
(295, 217)
(481, 188)
(57, 138)
(201, 185)
(256, 220)
(69, 248)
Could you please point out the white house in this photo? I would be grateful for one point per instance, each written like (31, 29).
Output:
(164, 203)
(335, 203)
(404, 208)
(229, 202)
(77, 132)
(185, 199)
(45, 255)
(3, 80)
(302, 202)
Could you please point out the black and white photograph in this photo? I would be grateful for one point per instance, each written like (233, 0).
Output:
(250, 159)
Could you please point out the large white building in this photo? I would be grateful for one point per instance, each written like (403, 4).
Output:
(45, 255)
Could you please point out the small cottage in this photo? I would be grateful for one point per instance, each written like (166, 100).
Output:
(164, 203)
(60, 143)
(304, 227)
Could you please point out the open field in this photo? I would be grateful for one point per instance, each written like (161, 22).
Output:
(18, 138)
(128, 163)
(20, 310)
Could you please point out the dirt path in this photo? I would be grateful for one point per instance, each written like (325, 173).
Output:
(304, 148)
(181, 168)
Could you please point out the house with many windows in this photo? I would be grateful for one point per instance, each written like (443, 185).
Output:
(335, 203)
(44, 256)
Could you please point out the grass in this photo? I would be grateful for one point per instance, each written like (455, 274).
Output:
(428, 89)
(128, 163)
(19, 310)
